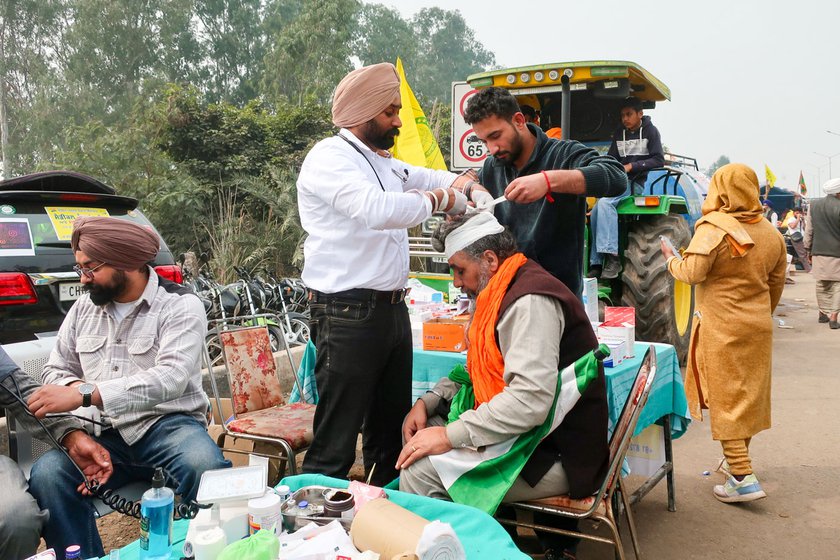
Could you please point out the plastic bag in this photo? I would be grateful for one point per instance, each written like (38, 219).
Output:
(263, 545)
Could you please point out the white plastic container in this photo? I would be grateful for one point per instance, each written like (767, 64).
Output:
(264, 512)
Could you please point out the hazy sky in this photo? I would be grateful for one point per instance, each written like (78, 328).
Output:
(756, 81)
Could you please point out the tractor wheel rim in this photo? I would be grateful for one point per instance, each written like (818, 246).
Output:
(682, 306)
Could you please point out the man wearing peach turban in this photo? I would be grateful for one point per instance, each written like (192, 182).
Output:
(128, 359)
(355, 203)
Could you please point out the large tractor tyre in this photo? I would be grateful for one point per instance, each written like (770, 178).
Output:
(664, 307)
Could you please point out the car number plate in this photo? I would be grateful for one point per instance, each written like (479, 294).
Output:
(70, 291)
(441, 260)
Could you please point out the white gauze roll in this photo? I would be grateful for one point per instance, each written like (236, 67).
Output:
(207, 545)
(439, 542)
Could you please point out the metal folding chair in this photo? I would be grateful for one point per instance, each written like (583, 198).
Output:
(260, 410)
(602, 506)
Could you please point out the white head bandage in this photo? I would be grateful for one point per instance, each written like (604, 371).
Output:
(832, 186)
(482, 225)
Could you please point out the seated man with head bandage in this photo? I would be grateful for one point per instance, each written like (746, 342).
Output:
(518, 392)
(129, 351)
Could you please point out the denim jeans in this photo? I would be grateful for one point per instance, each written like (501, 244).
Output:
(604, 224)
(177, 442)
(363, 372)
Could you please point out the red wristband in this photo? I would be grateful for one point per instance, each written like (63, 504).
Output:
(548, 196)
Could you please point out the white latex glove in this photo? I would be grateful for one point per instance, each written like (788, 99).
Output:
(482, 199)
(93, 413)
(459, 205)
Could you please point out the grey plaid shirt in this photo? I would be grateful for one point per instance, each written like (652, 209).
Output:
(146, 366)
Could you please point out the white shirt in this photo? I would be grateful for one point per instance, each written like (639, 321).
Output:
(357, 232)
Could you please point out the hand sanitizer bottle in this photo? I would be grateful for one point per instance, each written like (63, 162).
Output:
(156, 509)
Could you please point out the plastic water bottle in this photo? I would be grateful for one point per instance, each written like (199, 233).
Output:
(156, 509)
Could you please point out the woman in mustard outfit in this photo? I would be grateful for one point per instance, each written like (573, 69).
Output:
(737, 261)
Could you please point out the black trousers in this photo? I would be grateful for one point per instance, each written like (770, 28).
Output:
(363, 373)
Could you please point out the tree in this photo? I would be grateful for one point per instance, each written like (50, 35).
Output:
(312, 53)
(120, 49)
(30, 38)
(447, 51)
(233, 39)
(384, 36)
(719, 162)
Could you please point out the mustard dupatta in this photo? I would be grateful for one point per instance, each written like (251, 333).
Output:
(733, 200)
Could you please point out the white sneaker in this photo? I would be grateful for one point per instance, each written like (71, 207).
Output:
(746, 490)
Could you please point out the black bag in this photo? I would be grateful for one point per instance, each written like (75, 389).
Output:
(796, 236)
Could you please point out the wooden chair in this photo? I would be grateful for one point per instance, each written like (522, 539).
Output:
(260, 411)
(602, 506)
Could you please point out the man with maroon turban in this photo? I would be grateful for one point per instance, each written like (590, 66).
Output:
(129, 354)
(356, 202)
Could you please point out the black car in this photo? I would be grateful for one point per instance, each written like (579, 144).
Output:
(37, 282)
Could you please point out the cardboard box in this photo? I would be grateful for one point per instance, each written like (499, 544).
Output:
(590, 298)
(445, 335)
(625, 332)
(620, 315)
(620, 322)
(237, 450)
(617, 348)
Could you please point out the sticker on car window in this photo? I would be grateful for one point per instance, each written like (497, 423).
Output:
(62, 218)
(7, 210)
(16, 238)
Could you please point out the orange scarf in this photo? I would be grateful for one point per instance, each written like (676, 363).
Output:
(485, 362)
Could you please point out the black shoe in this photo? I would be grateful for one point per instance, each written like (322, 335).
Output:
(612, 268)
(834, 324)
(823, 317)
(595, 272)
(553, 554)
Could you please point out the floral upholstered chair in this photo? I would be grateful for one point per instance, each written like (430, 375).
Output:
(260, 411)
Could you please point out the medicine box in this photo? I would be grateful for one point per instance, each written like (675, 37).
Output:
(445, 334)
(590, 298)
(617, 348)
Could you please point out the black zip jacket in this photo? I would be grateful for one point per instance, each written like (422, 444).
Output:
(553, 233)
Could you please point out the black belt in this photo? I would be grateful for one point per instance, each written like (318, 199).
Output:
(361, 294)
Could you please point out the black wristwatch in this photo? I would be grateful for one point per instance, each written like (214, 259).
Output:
(86, 390)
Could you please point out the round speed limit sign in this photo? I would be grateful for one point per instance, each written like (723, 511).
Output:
(471, 147)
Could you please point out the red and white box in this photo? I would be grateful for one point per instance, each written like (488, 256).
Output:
(620, 322)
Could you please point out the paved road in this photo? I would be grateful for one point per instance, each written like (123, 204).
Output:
(797, 461)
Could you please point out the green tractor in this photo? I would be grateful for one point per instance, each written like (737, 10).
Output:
(583, 100)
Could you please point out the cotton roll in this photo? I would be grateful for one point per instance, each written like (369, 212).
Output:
(208, 544)
(439, 542)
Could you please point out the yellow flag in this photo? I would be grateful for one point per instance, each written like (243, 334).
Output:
(415, 144)
(771, 179)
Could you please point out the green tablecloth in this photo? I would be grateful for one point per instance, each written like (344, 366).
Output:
(480, 534)
(667, 396)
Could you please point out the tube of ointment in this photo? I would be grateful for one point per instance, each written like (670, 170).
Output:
(670, 245)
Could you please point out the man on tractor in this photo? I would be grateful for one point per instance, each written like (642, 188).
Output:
(637, 145)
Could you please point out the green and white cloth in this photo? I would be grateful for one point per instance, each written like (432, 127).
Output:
(481, 477)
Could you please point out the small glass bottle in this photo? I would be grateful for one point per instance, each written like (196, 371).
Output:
(73, 552)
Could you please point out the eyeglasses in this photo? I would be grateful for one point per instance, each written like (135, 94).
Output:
(88, 272)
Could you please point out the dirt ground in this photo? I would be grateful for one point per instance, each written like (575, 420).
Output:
(796, 461)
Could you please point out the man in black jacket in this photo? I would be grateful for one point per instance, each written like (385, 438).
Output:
(547, 180)
(637, 145)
